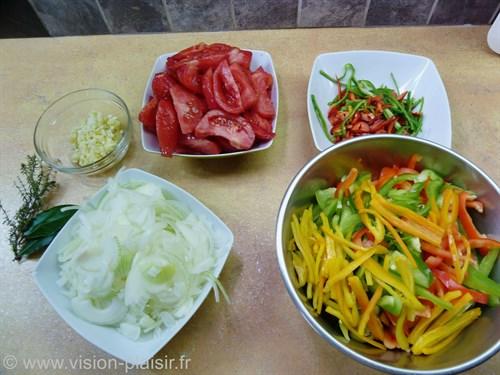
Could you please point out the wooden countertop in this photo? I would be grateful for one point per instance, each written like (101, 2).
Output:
(261, 331)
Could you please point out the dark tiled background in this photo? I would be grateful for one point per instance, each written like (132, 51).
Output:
(80, 17)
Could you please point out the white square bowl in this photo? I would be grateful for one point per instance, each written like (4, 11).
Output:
(417, 74)
(109, 339)
(259, 58)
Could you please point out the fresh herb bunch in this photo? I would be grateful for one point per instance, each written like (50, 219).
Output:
(29, 229)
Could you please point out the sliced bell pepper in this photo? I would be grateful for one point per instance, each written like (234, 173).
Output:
(451, 284)
(488, 262)
(484, 244)
(477, 280)
(391, 304)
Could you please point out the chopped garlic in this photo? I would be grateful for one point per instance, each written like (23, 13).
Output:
(96, 137)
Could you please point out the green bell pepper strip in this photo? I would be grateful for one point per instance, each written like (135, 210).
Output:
(476, 280)
(396, 180)
(488, 262)
(425, 294)
(391, 304)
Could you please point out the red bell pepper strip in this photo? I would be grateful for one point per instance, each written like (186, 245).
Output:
(451, 284)
(487, 243)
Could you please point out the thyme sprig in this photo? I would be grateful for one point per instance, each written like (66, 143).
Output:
(34, 182)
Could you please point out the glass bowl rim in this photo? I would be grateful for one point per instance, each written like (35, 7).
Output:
(106, 160)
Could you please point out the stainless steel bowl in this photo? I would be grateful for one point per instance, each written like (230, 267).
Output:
(478, 342)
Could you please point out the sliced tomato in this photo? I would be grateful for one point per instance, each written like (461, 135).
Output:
(235, 129)
(167, 127)
(161, 85)
(261, 126)
(227, 94)
(244, 83)
(189, 108)
(262, 80)
(207, 86)
(265, 106)
(148, 115)
(189, 144)
(207, 56)
(188, 75)
(241, 57)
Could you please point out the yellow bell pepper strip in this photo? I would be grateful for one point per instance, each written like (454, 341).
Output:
(466, 259)
(424, 323)
(455, 258)
(434, 336)
(401, 338)
(405, 226)
(376, 230)
(404, 270)
(459, 306)
(374, 324)
(395, 235)
(351, 329)
(349, 268)
(388, 278)
(303, 247)
(443, 344)
(366, 314)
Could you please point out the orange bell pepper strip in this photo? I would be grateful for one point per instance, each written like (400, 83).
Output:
(343, 186)
(465, 218)
(485, 243)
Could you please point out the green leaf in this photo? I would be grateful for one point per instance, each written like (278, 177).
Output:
(49, 222)
(35, 245)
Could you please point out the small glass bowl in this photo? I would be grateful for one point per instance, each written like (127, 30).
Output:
(52, 136)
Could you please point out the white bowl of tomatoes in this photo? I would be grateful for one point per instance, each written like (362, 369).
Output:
(210, 101)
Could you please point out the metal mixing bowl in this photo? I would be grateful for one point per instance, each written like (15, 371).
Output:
(476, 343)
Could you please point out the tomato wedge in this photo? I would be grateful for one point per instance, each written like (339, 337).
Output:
(207, 86)
(148, 115)
(235, 129)
(167, 127)
(207, 56)
(241, 57)
(190, 144)
(189, 78)
(263, 81)
(227, 94)
(161, 85)
(244, 83)
(261, 126)
(189, 108)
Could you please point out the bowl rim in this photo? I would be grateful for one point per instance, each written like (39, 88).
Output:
(428, 61)
(305, 312)
(106, 160)
(263, 146)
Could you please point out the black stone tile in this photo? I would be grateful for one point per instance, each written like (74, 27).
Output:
(448, 12)
(398, 12)
(329, 13)
(265, 14)
(479, 12)
(19, 20)
(134, 16)
(459, 12)
(200, 15)
(66, 17)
